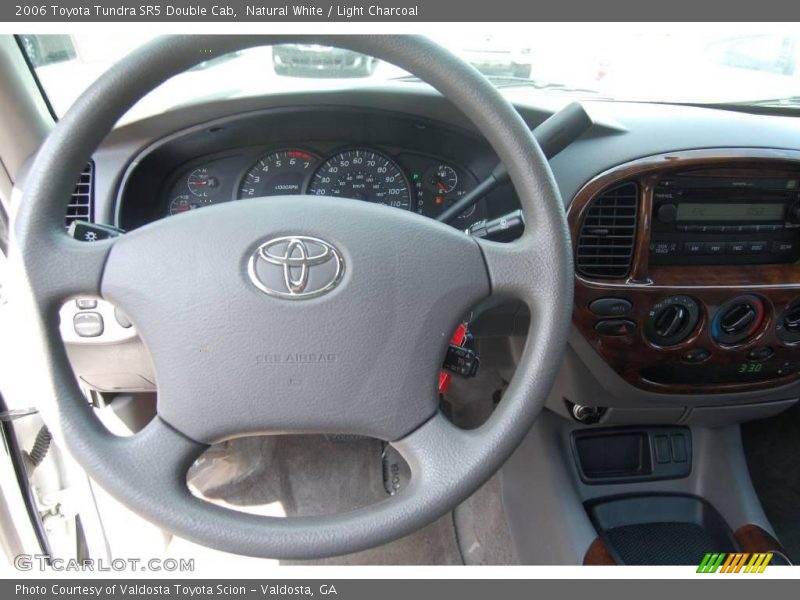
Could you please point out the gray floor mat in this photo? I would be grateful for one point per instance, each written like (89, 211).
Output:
(483, 535)
(310, 475)
(435, 544)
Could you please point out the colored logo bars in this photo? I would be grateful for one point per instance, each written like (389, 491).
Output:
(734, 563)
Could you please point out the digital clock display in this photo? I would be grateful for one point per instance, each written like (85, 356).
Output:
(706, 211)
(749, 368)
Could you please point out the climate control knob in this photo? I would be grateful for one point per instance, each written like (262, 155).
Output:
(671, 320)
(788, 325)
(738, 319)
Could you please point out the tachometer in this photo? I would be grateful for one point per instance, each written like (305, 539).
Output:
(362, 175)
(278, 173)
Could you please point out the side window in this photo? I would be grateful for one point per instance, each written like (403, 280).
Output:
(47, 49)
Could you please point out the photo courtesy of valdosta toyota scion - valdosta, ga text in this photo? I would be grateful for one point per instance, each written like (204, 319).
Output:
(175, 589)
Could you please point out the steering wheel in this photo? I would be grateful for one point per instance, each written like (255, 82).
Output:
(294, 314)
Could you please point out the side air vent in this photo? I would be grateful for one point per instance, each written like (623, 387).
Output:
(608, 232)
(81, 204)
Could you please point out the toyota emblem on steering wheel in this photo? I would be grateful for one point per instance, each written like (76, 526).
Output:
(296, 267)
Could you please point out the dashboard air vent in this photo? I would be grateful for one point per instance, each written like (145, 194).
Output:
(608, 232)
(81, 204)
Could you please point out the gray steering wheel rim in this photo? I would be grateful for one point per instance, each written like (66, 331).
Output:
(147, 472)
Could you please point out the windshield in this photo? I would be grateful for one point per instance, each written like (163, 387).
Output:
(731, 63)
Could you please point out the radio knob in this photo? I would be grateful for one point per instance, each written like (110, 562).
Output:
(667, 213)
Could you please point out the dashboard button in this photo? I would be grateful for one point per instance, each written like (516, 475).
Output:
(615, 327)
(693, 247)
(696, 355)
(664, 248)
(760, 354)
(783, 247)
(756, 247)
(88, 324)
(85, 303)
(610, 307)
(679, 453)
(713, 248)
(736, 248)
(662, 449)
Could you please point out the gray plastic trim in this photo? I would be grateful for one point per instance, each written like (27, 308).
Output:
(543, 495)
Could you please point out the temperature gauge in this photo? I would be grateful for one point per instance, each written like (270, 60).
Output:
(202, 183)
(184, 203)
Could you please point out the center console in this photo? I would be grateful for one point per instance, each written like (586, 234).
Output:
(686, 269)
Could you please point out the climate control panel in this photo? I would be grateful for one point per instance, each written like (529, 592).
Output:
(698, 341)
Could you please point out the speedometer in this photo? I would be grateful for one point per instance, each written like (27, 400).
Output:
(362, 175)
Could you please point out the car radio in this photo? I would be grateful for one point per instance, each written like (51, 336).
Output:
(700, 220)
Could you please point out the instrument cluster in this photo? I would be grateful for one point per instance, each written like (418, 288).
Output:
(403, 180)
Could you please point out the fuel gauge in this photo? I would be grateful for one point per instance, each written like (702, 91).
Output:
(440, 186)
(442, 179)
(443, 183)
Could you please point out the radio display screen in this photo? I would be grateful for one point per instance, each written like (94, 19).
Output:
(700, 211)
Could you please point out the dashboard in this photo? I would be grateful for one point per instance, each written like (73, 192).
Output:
(270, 154)
(647, 340)
(407, 181)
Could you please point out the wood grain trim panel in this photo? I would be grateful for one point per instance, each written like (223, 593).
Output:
(778, 285)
